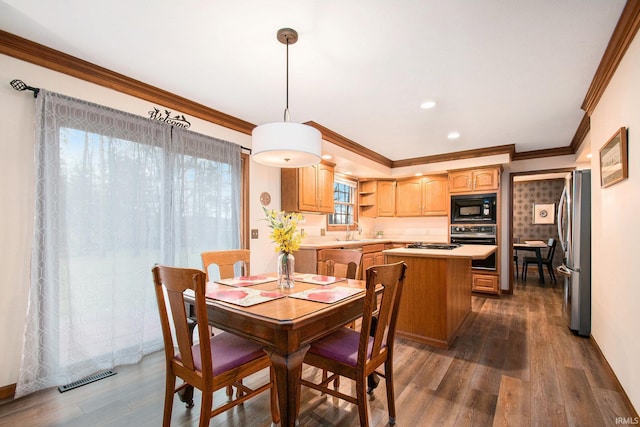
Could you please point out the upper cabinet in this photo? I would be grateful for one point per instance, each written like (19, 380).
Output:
(435, 196)
(377, 198)
(308, 189)
(474, 180)
(426, 196)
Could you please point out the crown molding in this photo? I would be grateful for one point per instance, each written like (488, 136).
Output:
(347, 144)
(52, 59)
(538, 154)
(622, 36)
(457, 155)
(581, 133)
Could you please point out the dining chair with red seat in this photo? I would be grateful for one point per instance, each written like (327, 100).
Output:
(226, 261)
(216, 361)
(356, 355)
(343, 263)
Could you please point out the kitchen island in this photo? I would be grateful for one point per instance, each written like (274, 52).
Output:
(436, 297)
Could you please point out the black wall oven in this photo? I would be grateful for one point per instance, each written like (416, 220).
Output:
(476, 235)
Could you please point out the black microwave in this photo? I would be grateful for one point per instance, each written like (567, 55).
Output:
(473, 209)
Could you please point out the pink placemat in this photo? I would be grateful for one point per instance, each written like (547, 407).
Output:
(242, 281)
(327, 294)
(318, 279)
(244, 297)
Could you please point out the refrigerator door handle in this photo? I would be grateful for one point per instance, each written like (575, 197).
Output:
(563, 198)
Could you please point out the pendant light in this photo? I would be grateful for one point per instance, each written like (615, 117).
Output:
(286, 144)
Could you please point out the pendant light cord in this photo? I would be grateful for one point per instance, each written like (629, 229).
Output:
(287, 116)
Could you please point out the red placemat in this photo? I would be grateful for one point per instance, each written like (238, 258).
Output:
(327, 294)
(244, 297)
(318, 279)
(242, 281)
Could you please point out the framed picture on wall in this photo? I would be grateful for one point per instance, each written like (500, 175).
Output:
(613, 159)
(544, 213)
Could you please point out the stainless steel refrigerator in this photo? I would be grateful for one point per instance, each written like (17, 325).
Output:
(574, 229)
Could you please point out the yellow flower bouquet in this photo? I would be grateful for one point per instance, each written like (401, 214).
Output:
(287, 239)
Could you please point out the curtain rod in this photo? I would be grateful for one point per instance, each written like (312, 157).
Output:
(19, 85)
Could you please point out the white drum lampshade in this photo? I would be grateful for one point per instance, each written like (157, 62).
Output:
(286, 145)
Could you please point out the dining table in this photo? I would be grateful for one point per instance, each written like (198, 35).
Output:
(287, 324)
(533, 246)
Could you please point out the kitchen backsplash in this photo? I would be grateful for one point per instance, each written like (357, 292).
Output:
(423, 229)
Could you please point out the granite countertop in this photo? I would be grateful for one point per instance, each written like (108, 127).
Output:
(464, 251)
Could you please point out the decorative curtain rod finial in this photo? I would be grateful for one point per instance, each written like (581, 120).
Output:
(19, 85)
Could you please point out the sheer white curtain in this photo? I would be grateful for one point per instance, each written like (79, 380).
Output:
(115, 193)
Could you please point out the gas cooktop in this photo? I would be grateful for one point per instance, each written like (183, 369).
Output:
(423, 245)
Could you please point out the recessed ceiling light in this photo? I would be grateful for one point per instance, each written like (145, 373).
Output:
(326, 156)
(418, 174)
(589, 156)
(349, 173)
(453, 135)
(428, 104)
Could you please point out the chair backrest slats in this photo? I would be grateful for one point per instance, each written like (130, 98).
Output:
(226, 261)
(174, 281)
(343, 263)
(391, 278)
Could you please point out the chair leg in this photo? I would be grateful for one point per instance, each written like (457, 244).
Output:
(524, 271)
(205, 408)
(361, 396)
(169, 391)
(391, 399)
(551, 273)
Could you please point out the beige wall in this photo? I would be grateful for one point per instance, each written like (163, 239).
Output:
(616, 270)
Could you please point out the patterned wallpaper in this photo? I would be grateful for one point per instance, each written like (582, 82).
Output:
(525, 194)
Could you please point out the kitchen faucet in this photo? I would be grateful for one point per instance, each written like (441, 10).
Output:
(349, 235)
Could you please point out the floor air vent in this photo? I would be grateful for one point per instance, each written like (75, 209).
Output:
(86, 380)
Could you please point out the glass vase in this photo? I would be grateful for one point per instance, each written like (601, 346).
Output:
(286, 265)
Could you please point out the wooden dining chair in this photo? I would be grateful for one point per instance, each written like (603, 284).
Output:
(226, 261)
(516, 259)
(344, 263)
(356, 355)
(548, 260)
(215, 362)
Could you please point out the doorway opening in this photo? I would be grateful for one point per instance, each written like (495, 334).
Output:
(526, 190)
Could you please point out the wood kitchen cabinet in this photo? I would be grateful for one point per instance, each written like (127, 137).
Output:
(425, 196)
(377, 198)
(308, 189)
(474, 180)
(485, 283)
(371, 255)
(435, 196)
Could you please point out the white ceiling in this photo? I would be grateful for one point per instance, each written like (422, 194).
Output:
(501, 72)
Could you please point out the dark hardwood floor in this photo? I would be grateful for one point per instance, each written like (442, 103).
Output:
(514, 363)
